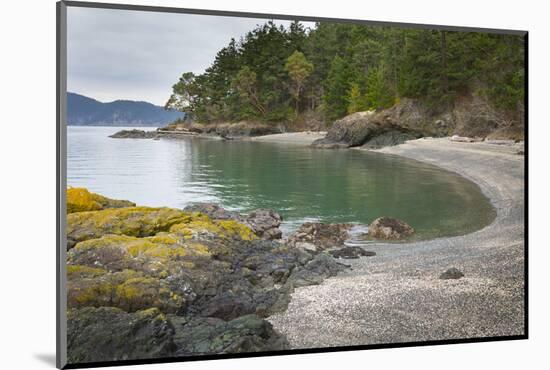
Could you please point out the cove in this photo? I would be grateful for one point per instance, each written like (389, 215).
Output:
(301, 183)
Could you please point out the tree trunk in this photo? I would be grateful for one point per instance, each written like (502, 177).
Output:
(444, 77)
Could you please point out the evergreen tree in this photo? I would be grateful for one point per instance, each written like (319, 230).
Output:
(344, 68)
(298, 69)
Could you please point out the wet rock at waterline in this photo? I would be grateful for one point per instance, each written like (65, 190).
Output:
(134, 134)
(452, 273)
(390, 229)
(351, 253)
(189, 283)
(316, 236)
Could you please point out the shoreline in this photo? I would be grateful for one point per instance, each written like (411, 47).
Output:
(298, 138)
(396, 296)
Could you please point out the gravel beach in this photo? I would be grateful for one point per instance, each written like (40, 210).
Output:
(300, 138)
(397, 296)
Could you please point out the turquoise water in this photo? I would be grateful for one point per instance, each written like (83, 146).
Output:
(302, 184)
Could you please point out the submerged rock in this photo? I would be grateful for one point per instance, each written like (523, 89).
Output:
(80, 200)
(316, 236)
(110, 334)
(452, 273)
(390, 228)
(134, 134)
(351, 253)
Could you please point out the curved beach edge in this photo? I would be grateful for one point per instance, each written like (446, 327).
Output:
(397, 296)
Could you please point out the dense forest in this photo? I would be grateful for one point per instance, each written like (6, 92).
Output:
(276, 74)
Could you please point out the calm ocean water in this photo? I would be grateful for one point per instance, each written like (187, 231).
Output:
(302, 184)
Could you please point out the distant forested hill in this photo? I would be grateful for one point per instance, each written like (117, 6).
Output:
(84, 111)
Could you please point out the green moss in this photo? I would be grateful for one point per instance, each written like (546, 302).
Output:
(83, 271)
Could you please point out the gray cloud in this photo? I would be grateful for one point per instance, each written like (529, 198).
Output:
(121, 54)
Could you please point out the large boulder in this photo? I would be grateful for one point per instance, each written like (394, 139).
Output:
(81, 200)
(265, 223)
(390, 229)
(372, 129)
(467, 116)
(316, 236)
(110, 334)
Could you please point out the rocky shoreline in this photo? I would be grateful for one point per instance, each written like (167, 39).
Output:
(149, 282)
(469, 119)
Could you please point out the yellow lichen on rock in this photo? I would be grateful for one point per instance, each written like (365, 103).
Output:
(236, 228)
(82, 200)
(129, 290)
(201, 224)
(132, 221)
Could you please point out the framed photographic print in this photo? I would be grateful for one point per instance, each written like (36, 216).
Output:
(235, 184)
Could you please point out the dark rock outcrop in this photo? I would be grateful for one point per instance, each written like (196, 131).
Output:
(226, 130)
(204, 284)
(110, 334)
(390, 229)
(134, 134)
(316, 236)
(470, 116)
(351, 253)
(452, 273)
(371, 129)
(249, 333)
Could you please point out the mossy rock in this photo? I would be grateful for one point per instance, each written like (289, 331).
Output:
(132, 221)
(128, 290)
(202, 227)
(119, 252)
(145, 221)
(81, 200)
(110, 334)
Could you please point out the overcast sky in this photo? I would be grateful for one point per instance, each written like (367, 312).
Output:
(122, 54)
